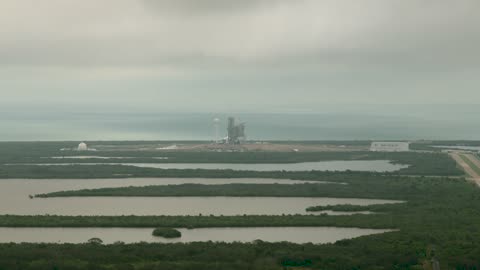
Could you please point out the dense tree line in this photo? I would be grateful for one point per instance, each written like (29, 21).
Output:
(348, 254)
(365, 186)
(374, 221)
(112, 171)
(396, 250)
(228, 190)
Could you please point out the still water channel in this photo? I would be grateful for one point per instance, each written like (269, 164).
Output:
(14, 199)
(317, 235)
(353, 165)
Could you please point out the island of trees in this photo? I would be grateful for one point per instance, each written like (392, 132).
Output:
(167, 233)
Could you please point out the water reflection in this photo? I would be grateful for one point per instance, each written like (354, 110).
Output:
(352, 165)
(132, 235)
(14, 200)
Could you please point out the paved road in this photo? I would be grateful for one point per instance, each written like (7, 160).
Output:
(474, 176)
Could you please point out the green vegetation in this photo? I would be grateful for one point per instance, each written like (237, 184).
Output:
(235, 190)
(420, 164)
(350, 208)
(41, 152)
(373, 252)
(95, 241)
(167, 233)
(357, 221)
(359, 185)
(439, 213)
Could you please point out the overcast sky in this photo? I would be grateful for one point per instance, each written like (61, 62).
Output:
(249, 55)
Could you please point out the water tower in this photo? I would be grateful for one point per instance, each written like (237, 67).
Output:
(82, 147)
(216, 124)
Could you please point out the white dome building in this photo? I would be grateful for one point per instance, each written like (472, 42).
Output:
(82, 147)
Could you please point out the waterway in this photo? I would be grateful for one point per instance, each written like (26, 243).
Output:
(317, 235)
(343, 165)
(14, 199)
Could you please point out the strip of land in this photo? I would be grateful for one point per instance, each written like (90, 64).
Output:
(470, 164)
(232, 190)
(379, 221)
(473, 162)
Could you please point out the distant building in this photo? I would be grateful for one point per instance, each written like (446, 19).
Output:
(170, 147)
(390, 146)
(82, 147)
(236, 132)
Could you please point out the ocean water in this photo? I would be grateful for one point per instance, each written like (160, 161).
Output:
(352, 125)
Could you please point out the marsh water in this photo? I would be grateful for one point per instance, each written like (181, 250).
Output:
(459, 147)
(315, 235)
(340, 165)
(353, 165)
(14, 199)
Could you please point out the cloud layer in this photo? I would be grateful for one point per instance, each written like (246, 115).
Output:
(308, 52)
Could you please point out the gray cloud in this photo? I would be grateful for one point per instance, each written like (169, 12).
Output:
(192, 7)
(331, 50)
(125, 33)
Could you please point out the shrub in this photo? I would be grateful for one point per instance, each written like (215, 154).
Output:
(167, 233)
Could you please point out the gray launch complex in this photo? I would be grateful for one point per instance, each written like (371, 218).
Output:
(236, 132)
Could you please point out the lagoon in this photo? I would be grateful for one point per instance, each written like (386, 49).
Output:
(338, 165)
(316, 235)
(14, 200)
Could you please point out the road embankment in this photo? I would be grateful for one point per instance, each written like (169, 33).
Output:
(469, 163)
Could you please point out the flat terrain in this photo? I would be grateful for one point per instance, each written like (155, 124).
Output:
(441, 212)
(287, 147)
(259, 146)
(19, 159)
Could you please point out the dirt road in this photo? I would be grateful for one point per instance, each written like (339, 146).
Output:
(474, 176)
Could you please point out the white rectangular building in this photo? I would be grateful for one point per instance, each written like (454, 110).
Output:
(390, 146)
